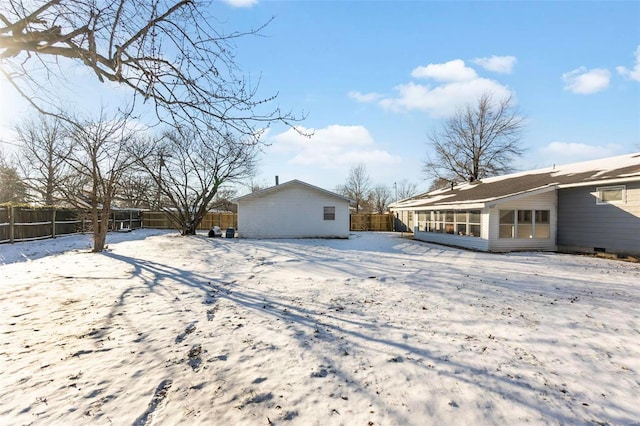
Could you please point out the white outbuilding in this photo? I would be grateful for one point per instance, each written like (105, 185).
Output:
(293, 209)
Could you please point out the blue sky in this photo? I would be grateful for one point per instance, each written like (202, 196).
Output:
(377, 77)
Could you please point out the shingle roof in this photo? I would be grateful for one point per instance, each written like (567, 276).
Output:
(621, 168)
(289, 184)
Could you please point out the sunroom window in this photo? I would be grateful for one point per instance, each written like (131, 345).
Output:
(524, 224)
(507, 224)
(455, 222)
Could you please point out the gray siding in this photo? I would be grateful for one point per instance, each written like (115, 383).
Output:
(584, 225)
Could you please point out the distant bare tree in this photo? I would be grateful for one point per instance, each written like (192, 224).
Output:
(12, 187)
(255, 186)
(406, 189)
(136, 190)
(439, 183)
(165, 51)
(42, 159)
(357, 186)
(194, 164)
(381, 196)
(479, 141)
(97, 153)
(222, 200)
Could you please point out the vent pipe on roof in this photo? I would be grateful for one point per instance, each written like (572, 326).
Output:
(277, 180)
(452, 184)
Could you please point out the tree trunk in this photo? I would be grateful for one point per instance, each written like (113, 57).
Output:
(100, 229)
(189, 229)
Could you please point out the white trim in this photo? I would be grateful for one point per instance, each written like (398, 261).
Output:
(613, 181)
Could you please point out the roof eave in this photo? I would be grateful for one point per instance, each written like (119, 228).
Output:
(612, 181)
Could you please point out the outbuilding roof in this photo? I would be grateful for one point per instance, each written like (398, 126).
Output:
(287, 185)
(612, 170)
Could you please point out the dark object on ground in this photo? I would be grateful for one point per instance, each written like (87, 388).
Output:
(231, 232)
(215, 232)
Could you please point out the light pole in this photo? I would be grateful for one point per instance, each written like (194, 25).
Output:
(395, 186)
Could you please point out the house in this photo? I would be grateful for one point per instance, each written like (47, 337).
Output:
(293, 209)
(592, 206)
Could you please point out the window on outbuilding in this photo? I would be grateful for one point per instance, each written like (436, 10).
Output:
(611, 195)
(329, 213)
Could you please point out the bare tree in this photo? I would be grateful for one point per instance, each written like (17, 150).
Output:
(12, 187)
(97, 153)
(254, 186)
(162, 50)
(42, 159)
(479, 141)
(405, 189)
(439, 183)
(135, 190)
(193, 166)
(222, 200)
(357, 186)
(381, 196)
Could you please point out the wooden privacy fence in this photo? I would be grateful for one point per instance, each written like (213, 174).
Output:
(159, 220)
(358, 222)
(371, 222)
(30, 223)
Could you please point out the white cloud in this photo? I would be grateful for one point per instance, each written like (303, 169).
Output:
(442, 101)
(453, 85)
(333, 147)
(585, 82)
(364, 97)
(634, 73)
(240, 3)
(572, 152)
(499, 64)
(455, 70)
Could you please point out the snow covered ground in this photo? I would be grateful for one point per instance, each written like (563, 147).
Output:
(373, 330)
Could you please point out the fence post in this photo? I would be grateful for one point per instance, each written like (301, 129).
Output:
(53, 223)
(11, 224)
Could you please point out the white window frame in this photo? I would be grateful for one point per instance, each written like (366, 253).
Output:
(600, 189)
(533, 224)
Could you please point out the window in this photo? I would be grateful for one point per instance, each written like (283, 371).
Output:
(474, 223)
(611, 195)
(329, 213)
(524, 224)
(542, 224)
(449, 227)
(507, 224)
(454, 222)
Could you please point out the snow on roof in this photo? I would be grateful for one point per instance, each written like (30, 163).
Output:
(622, 168)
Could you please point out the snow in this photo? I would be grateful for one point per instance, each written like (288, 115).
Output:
(377, 329)
(598, 168)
